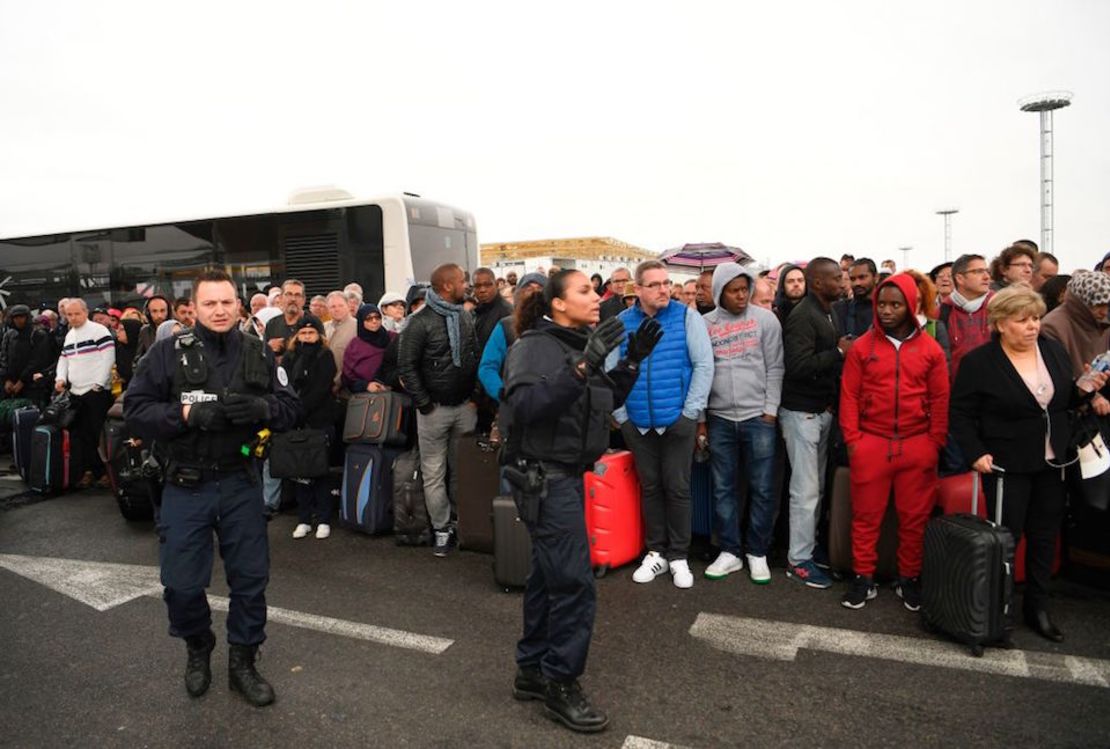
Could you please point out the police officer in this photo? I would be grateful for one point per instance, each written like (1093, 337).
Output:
(548, 447)
(204, 395)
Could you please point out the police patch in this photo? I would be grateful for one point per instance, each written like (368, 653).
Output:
(283, 378)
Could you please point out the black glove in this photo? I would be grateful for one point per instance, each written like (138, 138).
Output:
(642, 342)
(207, 415)
(604, 338)
(246, 409)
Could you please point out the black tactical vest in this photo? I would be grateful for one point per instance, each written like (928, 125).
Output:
(196, 380)
(580, 435)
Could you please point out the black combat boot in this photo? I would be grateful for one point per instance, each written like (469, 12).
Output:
(529, 684)
(565, 703)
(243, 678)
(198, 669)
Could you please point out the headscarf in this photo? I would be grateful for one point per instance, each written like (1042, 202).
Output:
(1090, 287)
(379, 339)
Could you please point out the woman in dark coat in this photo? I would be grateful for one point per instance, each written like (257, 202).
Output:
(310, 368)
(1009, 409)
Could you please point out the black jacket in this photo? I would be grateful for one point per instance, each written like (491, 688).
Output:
(813, 362)
(992, 410)
(311, 373)
(854, 316)
(612, 307)
(25, 352)
(424, 361)
(486, 317)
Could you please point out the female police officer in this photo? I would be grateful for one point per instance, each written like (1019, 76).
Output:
(555, 422)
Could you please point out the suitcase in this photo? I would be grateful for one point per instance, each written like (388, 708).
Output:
(954, 495)
(512, 546)
(614, 524)
(366, 498)
(49, 473)
(411, 526)
(840, 531)
(23, 427)
(701, 499)
(379, 419)
(967, 576)
(478, 481)
(123, 463)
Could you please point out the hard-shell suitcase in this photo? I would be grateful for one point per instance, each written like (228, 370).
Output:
(840, 531)
(411, 526)
(967, 576)
(49, 472)
(512, 546)
(614, 524)
(366, 499)
(379, 419)
(23, 427)
(478, 482)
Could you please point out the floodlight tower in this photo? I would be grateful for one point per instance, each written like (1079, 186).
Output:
(905, 257)
(947, 213)
(1045, 104)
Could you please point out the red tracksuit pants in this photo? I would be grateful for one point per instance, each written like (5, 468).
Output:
(909, 466)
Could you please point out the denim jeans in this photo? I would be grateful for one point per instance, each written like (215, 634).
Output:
(807, 446)
(751, 444)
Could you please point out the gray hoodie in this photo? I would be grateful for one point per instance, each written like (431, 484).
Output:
(747, 354)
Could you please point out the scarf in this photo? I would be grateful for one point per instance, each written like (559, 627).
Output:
(377, 339)
(303, 358)
(450, 312)
(969, 306)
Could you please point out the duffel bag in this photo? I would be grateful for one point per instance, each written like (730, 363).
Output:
(299, 454)
(379, 419)
(61, 411)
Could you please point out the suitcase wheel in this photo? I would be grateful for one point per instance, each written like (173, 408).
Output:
(601, 571)
(977, 650)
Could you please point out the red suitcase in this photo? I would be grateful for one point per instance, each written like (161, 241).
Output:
(613, 521)
(956, 494)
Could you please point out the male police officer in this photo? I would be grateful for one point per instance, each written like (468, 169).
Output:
(204, 395)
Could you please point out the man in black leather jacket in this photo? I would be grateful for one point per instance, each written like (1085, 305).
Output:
(438, 366)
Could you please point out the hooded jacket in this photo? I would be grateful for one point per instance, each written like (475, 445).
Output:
(748, 362)
(893, 391)
(783, 306)
(1074, 325)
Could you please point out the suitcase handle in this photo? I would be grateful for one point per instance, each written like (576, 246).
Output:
(998, 471)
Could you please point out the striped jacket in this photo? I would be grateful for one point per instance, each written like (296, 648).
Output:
(88, 354)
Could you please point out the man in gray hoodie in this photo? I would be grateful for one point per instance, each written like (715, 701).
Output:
(743, 407)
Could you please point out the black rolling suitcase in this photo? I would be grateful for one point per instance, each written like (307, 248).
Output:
(366, 498)
(478, 482)
(23, 427)
(411, 526)
(512, 546)
(49, 472)
(967, 576)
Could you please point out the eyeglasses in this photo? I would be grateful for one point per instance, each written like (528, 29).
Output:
(975, 271)
(1026, 264)
(657, 285)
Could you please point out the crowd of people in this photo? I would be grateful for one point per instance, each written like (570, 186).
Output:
(782, 372)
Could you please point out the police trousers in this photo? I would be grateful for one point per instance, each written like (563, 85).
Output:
(231, 506)
(559, 596)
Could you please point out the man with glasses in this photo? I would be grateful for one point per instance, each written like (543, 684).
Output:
(280, 329)
(614, 305)
(964, 313)
(1013, 265)
(660, 417)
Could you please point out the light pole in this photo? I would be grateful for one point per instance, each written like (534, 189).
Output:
(1045, 104)
(947, 213)
(905, 257)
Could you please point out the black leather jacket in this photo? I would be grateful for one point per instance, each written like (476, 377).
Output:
(424, 360)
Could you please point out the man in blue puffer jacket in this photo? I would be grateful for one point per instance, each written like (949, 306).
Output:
(659, 419)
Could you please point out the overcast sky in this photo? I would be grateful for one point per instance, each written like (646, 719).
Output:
(791, 129)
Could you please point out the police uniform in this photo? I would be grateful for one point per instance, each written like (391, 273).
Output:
(563, 441)
(210, 484)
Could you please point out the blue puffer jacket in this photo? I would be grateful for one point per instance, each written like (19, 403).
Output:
(660, 391)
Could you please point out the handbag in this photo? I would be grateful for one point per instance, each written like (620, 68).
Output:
(299, 454)
(60, 412)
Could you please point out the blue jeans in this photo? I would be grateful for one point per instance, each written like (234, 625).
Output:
(807, 446)
(751, 444)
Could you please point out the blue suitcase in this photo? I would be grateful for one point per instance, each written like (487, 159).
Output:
(701, 499)
(49, 472)
(366, 499)
(23, 427)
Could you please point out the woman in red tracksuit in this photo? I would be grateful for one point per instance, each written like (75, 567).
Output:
(894, 416)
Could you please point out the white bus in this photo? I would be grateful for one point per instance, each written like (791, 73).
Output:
(323, 237)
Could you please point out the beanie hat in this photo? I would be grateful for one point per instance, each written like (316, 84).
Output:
(1090, 287)
(390, 297)
(19, 309)
(310, 321)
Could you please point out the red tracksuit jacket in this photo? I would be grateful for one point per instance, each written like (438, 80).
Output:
(895, 393)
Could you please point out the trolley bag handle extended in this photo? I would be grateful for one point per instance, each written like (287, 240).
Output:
(1000, 472)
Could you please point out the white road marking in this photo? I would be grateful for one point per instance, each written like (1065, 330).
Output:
(639, 742)
(104, 585)
(762, 638)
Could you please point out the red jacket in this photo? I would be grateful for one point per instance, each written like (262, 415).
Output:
(895, 392)
(966, 331)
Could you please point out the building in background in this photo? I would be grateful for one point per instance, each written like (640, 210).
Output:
(601, 255)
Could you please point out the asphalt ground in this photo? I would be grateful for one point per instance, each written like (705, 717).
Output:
(74, 676)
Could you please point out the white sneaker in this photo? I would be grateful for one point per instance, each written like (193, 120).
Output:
(724, 565)
(758, 570)
(301, 530)
(681, 575)
(652, 567)
(323, 530)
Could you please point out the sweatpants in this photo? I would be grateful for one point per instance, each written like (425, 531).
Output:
(909, 466)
